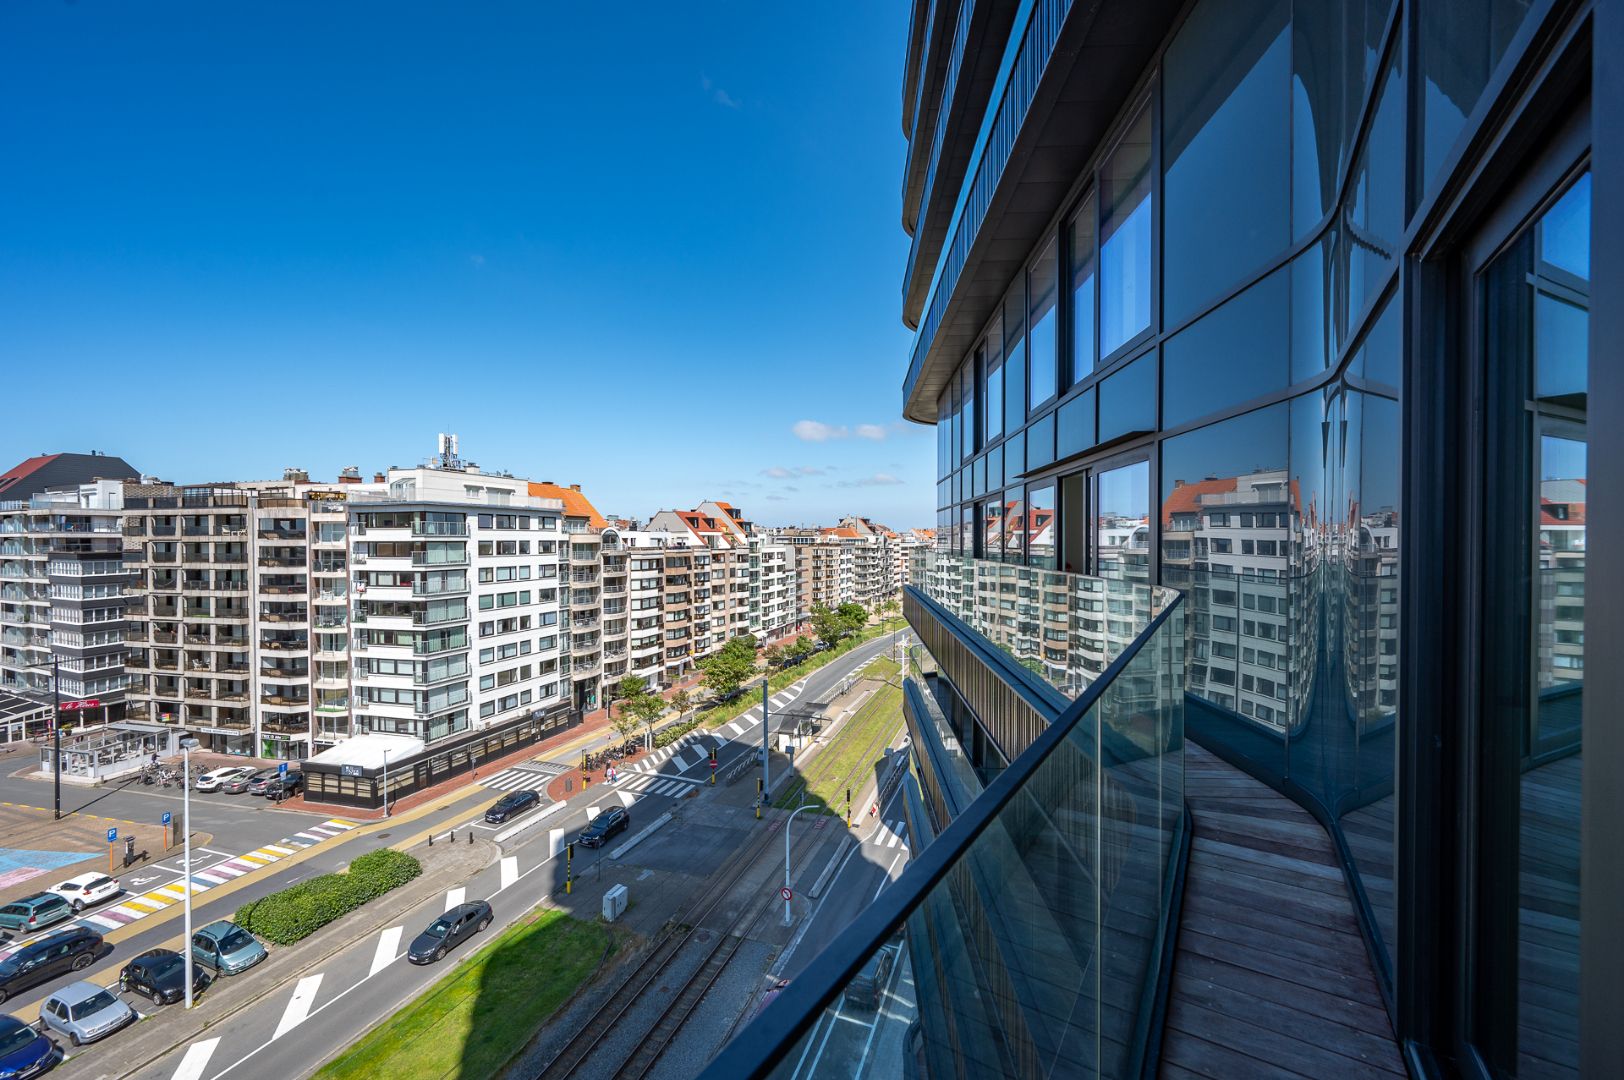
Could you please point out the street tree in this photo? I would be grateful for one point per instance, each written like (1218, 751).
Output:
(774, 654)
(648, 709)
(827, 624)
(681, 701)
(853, 616)
(726, 670)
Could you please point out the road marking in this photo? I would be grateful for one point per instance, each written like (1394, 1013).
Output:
(304, 996)
(555, 843)
(388, 945)
(456, 896)
(591, 812)
(626, 798)
(510, 870)
(735, 729)
(196, 1060)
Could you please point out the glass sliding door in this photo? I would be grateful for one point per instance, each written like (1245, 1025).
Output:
(1534, 308)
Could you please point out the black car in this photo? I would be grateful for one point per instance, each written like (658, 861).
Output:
(160, 974)
(73, 949)
(288, 783)
(512, 804)
(450, 929)
(614, 820)
(867, 985)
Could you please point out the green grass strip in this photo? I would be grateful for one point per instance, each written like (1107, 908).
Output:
(471, 1023)
(847, 760)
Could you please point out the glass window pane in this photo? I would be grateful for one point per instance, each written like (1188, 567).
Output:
(1014, 455)
(992, 529)
(1125, 257)
(1226, 97)
(1014, 511)
(1081, 250)
(1041, 341)
(1236, 353)
(1122, 524)
(1460, 42)
(1076, 428)
(1040, 442)
(1039, 525)
(1335, 49)
(1313, 285)
(993, 396)
(1015, 356)
(1373, 213)
(1128, 399)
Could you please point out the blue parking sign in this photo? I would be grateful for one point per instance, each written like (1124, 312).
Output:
(282, 769)
(112, 836)
(168, 817)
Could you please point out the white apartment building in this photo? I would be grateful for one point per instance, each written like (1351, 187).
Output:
(773, 588)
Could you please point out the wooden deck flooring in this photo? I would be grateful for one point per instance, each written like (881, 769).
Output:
(1270, 977)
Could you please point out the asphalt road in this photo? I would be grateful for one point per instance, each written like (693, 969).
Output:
(371, 979)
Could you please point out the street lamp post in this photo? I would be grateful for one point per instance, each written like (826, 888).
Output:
(186, 746)
(56, 730)
(787, 824)
(386, 781)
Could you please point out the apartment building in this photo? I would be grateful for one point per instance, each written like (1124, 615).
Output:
(459, 618)
(1173, 268)
(773, 588)
(63, 586)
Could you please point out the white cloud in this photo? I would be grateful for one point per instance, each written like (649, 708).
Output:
(877, 480)
(779, 472)
(717, 94)
(817, 431)
(871, 431)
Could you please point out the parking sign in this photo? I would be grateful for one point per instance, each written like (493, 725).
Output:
(168, 817)
(282, 769)
(112, 836)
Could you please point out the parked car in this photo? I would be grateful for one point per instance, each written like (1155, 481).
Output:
(24, 1052)
(866, 986)
(34, 912)
(227, 948)
(160, 974)
(215, 780)
(86, 889)
(85, 1012)
(288, 783)
(73, 949)
(263, 783)
(614, 820)
(510, 805)
(451, 929)
(245, 781)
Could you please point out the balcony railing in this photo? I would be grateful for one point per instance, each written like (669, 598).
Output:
(1034, 923)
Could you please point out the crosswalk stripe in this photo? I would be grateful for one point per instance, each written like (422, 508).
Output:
(736, 728)
(453, 897)
(891, 839)
(304, 996)
(591, 812)
(555, 842)
(196, 1059)
(666, 787)
(510, 870)
(279, 850)
(388, 942)
(627, 798)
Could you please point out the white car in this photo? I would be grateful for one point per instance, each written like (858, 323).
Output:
(86, 889)
(211, 781)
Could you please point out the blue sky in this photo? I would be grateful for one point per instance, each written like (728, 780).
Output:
(650, 248)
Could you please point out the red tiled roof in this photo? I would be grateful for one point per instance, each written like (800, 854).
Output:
(575, 503)
(21, 471)
(1186, 498)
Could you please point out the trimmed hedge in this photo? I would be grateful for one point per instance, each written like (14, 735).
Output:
(671, 733)
(300, 910)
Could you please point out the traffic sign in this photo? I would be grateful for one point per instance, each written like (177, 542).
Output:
(168, 817)
(87, 703)
(112, 836)
(282, 769)
(785, 893)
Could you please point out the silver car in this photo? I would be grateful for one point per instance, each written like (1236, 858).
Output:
(84, 1012)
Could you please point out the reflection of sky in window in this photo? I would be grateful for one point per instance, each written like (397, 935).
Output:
(1564, 239)
(1561, 459)
(1125, 492)
(1253, 442)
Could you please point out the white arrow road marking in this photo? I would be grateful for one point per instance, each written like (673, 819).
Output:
(453, 897)
(555, 842)
(304, 996)
(196, 1059)
(510, 870)
(388, 945)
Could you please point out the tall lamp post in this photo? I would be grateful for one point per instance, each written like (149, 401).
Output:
(186, 747)
(56, 729)
(787, 824)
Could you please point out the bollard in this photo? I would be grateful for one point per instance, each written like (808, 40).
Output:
(470, 834)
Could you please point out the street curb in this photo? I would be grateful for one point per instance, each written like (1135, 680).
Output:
(829, 868)
(379, 918)
(540, 816)
(655, 826)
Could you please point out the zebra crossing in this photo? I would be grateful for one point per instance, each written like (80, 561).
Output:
(890, 834)
(516, 778)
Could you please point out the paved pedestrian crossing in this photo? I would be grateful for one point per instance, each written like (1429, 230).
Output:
(890, 834)
(133, 908)
(514, 779)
